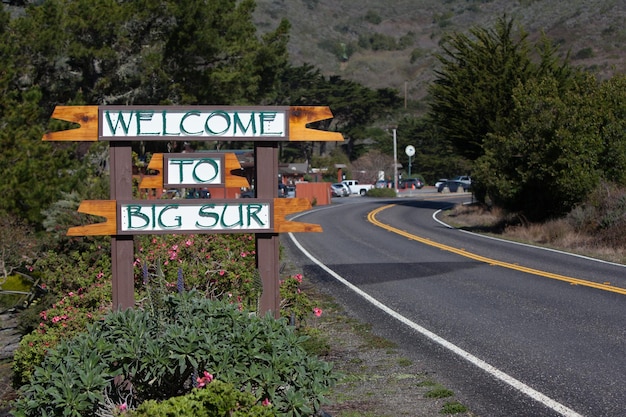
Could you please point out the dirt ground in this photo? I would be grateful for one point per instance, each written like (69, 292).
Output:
(378, 381)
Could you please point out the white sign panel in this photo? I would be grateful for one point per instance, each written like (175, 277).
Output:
(198, 123)
(174, 216)
(193, 169)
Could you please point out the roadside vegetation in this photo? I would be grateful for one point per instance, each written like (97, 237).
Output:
(194, 324)
(592, 228)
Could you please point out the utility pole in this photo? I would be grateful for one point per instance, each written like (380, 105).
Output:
(395, 161)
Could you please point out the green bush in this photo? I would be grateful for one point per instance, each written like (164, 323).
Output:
(143, 355)
(381, 192)
(216, 400)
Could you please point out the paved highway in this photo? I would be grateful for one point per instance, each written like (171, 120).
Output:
(514, 330)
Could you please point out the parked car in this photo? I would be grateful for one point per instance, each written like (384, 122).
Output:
(440, 181)
(454, 186)
(411, 183)
(463, 179)
(340, 189)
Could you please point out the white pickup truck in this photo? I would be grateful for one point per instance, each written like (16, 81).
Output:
(357, 188)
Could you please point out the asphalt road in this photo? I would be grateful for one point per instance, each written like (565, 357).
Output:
(513, 330)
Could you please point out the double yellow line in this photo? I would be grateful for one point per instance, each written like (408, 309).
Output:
(371, 217)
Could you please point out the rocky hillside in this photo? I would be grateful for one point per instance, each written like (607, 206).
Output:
(391, 43)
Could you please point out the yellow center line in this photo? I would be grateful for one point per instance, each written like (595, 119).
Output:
(371, 217)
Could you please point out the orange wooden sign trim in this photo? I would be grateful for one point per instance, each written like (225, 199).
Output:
(154, 181)
(285, 206)
(232, 164)
(300, 116)
(108, 210)
(85, 116)
(103, 208)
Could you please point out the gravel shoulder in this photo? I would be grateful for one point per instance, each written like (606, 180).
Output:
(378, 378)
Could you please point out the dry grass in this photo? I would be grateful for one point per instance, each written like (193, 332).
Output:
(556, 234)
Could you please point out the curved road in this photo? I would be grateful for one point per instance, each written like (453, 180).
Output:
(514, 330)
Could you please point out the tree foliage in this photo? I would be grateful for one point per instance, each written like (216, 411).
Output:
(354, 106)
(549, 160)
(540, 132)
(472, 92)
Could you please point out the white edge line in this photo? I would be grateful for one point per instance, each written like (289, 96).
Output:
(496, 373)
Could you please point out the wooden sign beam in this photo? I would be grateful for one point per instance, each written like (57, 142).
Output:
(193, 123)
(206, 216)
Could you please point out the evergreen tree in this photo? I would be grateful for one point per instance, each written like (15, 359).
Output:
(471, 96)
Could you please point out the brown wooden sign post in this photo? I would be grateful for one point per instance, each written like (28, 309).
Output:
(125, 217)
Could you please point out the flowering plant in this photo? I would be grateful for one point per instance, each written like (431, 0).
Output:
(295, 304)
(222, 266)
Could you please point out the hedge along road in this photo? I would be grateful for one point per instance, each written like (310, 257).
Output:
(553, 346)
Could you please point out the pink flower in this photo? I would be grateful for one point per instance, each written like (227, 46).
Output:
(188, 243)
(317, 311)
(298, 277)
(243, 254)
(123, 407)
(222, 272)
(204, 379)
(266, 402)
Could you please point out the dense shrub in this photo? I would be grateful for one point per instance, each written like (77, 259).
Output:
(218, 399)
(137, 355)
(381, 192)
(602, 215)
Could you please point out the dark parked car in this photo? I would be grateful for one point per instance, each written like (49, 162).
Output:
(454, 186)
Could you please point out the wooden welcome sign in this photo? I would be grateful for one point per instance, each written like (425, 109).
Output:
(264, 216)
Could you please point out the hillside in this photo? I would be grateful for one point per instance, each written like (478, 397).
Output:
(354, 38)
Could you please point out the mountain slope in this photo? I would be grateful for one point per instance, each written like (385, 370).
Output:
(352, 38)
